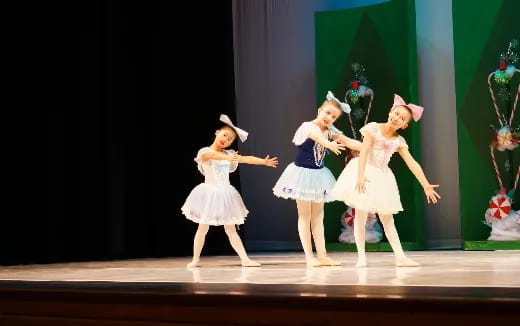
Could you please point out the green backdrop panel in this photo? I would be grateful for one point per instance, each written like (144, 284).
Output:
(481, 32)
(381, 38)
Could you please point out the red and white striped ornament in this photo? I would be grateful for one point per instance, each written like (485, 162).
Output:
(500, 205)
(350, 214)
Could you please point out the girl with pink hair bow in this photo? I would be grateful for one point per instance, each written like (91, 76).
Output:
(368, 184)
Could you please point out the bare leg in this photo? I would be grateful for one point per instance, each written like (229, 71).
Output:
(359, 233)
(393, 238)
(198, 243)
(304, 231)
(318, 233)
(236, 243)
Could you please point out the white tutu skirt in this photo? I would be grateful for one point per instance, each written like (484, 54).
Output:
(305, 184)
(381, 193)
(215, 205)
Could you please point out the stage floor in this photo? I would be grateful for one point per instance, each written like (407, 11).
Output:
(450, 288)
(439, 269)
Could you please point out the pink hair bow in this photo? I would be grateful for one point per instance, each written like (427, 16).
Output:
(417, 110)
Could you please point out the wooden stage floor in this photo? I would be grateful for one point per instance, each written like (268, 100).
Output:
(439, 268)
(451, 287)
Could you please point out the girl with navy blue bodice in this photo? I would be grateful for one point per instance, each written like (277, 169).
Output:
(308, 181)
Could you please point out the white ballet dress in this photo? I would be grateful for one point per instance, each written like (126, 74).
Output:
(307, 178)
(381, 192)
(215, 201)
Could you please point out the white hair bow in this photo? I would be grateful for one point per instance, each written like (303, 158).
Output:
(242, 134)
(344, 106)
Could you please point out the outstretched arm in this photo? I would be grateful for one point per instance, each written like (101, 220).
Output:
(219, 156)
(268, 161)
(334, 146)
(416, 169)
(353, 144)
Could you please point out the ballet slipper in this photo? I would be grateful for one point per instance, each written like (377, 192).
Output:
(250, 263)
(361, 262)
(312, 262)
(406, 262)
(327, 261)
(195, 263)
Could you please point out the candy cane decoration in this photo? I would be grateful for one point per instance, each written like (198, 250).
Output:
(513, 109)
(350, 118)
(493, 99)
(370, 106)
(516, 179)
(366, 115)
(352, 126)
(497, 172)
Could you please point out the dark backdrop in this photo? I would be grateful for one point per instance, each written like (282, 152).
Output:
(149, 81)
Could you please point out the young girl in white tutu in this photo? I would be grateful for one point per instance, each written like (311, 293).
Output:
(368, 184)
(308, 181)
(216, 201)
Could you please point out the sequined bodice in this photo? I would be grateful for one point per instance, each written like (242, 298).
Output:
(310, 155)
(382, 150)
(216, 172)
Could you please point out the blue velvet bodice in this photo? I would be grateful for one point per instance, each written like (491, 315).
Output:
(310, 155)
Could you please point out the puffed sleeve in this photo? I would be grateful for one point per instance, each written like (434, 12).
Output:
(370, 129)
(402, 142)
(333, 131)
(232, 165)
(302, 133)
(198, 158)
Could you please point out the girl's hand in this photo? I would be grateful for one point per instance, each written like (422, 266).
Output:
(335, 147)
(360, 185)
(272, 162)
(234, 157)
(431, 194)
